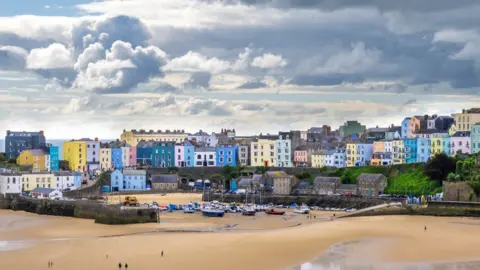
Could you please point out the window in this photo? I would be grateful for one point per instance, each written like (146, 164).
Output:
(199, 156)
(221, 152)
(210, 156)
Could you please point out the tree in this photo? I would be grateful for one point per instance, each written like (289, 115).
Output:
(262, 169)
(64, 165)
(451, 177)
(12, 161)
(305, 176)
(3, 157)
(438, 167)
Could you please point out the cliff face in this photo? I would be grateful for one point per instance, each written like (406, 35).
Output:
(458, 191)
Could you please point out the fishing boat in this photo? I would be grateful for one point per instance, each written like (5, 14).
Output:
(302, 209)
(210, 211)
(188, 209)
(272, 211)
(248, 210)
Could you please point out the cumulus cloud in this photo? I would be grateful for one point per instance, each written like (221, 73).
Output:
(93, 53)
(268, 61)
(195, 62)
(12, 58)
(55, 56)
(123, 68)
(198, 80)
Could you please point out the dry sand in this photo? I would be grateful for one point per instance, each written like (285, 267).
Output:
(261, 242)
(176, 198)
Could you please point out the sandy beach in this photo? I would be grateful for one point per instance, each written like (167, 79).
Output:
(236, 242)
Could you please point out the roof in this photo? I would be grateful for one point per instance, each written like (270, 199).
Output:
(36, 152)
(165, 178)
(395, 128)
(301, 148)
(429, 131)
(244, 181)
(324, 179)
(24, 133)
(461, 134)
(145, 144)
(134, 172)
(346, 187)
(257, 177)
(277, 174)
(63, 173)
(370, 177)
(43, 190)
(302, 185)
(201, 133)
(205, 149)
(10, 174)
(152, 132)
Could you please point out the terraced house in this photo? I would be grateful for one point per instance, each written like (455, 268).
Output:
(475, 138)
(38, 159)
(163, 154)
(133, 137)
(263, 151)
(226, 154)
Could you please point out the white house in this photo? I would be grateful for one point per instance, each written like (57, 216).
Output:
(46, 193)
(64, 180)
(10, 183)
(200, 136)
(205, 157)
(284, 152)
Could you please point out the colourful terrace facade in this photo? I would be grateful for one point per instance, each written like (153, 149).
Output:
(410, 145)
(163, 154)
(37, 158)
(423, 149)
(475, 138)
(54, 158)
(226, 154)
(460, 143)
(75, 152)
(144, 153)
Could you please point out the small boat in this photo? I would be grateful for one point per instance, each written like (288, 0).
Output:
(272, 211)
(301, 209)
(248, 211)
(188, 209)
(209, 211)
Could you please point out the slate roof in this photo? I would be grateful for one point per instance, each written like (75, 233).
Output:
(323, 179)
(461, 134)
(43, 190)
(134, 172)
(302, 185)
(151, 131)
(63, 173)
(257, 177)
(37, 152)
(370, 177)
(165, 178)
(205, 149)
(245, 181)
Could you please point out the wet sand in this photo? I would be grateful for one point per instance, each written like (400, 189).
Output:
(236, 242)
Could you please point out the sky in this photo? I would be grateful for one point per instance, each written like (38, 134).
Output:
(80, 68)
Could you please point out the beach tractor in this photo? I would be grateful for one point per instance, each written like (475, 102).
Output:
(130, 201)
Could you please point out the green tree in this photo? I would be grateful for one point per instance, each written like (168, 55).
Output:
(262, 169)
(12, 161)
(64, 165)
(438, 167)
(3, 157)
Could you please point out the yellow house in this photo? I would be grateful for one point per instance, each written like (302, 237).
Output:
(452, 130)
(262, 152)
(436, 146)
(351, 155)
(134, 136)
(398, 152)
(75, 152)
(38, 179)
(318, 159)
(37, 158)
(105, 159)
(467, 118)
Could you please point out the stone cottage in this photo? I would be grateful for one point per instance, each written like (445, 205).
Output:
(326, 185)
(281, 182)
(165, 182)
(371, 184)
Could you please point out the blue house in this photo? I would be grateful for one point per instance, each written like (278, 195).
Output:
(423, 149)
(117, 158)
(77, 178)
(163, 155)
(227, 154)
(128, 180)
(144, 152)
(405, 127)
(446, 145)
(189, 154)
(116, 180)
(410, 150)
(54, 158)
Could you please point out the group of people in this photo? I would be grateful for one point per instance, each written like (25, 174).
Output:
(126, 264)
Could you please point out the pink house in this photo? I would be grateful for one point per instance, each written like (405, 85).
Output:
(300, 156)
(179, 155)
(133, 156)
(460, 142)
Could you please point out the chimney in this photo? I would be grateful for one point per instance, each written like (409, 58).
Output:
(96, 139)
(41, 132)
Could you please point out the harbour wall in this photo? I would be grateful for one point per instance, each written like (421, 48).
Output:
(104, 214)
(319, 200)
(440, 208)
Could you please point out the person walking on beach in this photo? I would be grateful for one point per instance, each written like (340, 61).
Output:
(162, 253)
(126, 265)
(425, 229)
(49, 264)
(119, 265)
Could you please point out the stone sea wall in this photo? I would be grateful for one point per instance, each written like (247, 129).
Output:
(458, 191)
(80, 209)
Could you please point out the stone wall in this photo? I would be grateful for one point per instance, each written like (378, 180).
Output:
(458, 191)
(105, 214)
